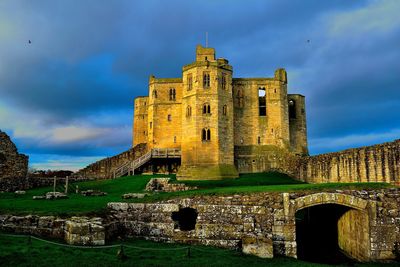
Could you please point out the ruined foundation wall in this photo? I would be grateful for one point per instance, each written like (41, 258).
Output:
(227, 221)
(13, 165)
(377, 163)
(74, 230)
(103, 169)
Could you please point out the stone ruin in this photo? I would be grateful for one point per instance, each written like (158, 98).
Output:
(13, 165)
(164, 185)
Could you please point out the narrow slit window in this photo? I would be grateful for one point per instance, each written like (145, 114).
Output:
(206, 80)
(190, 81)
(172, 94)
(223, 81)
(239, 97)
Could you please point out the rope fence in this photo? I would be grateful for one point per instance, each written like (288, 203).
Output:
(122, 246)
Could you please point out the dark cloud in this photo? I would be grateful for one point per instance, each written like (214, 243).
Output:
(89, 59)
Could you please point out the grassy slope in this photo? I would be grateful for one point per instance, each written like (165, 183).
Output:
(77, 204)
(16, 251)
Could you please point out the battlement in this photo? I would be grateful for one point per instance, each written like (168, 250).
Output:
(205, 53)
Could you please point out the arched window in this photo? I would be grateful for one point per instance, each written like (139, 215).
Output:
(205, 135)
(206, 80)
(206, 109)
(154, 95)
(169, 117)
(259, 140)
(188, 111)
(172, 94)
(224, 110)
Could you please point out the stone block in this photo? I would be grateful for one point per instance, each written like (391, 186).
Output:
(258, 246)
(84, 231)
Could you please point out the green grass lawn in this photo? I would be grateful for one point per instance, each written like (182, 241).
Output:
(18, 251)
(78, 204)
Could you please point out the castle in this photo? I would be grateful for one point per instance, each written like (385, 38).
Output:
(221, 125)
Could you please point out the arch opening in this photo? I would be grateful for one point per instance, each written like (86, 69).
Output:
(332, 234)
(185, 219)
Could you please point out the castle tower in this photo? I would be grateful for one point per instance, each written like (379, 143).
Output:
(140, 131)
(207, 119)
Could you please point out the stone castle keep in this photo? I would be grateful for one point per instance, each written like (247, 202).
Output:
(221, 125)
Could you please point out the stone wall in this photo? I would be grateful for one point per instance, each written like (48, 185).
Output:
(104, 169)
(377, 163)
(266, 158)
(230, 221)
(264, 224)
(13, 165)
(74, 230)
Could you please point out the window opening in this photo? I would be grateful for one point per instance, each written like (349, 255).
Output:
(206, 80)
(262, 104)
(292, 109)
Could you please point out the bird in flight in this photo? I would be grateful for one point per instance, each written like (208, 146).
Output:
(29, 42)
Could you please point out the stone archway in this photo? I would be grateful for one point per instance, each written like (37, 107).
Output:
(329, 224)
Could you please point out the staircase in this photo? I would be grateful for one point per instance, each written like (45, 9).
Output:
(130, 166)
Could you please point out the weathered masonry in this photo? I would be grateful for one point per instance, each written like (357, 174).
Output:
(222, 125)
(377, 163)
(364, 224)
(13, 165)
(312, 226)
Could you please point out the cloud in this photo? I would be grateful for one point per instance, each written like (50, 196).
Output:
(59, 162)
(70, 92)
(380, 17)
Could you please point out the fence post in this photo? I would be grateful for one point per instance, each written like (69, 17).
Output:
(120, 254)
(54, 185)
(66, 185)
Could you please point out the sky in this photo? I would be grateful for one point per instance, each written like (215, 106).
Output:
(66, 99)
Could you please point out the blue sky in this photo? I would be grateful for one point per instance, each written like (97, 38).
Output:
(66, 99)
